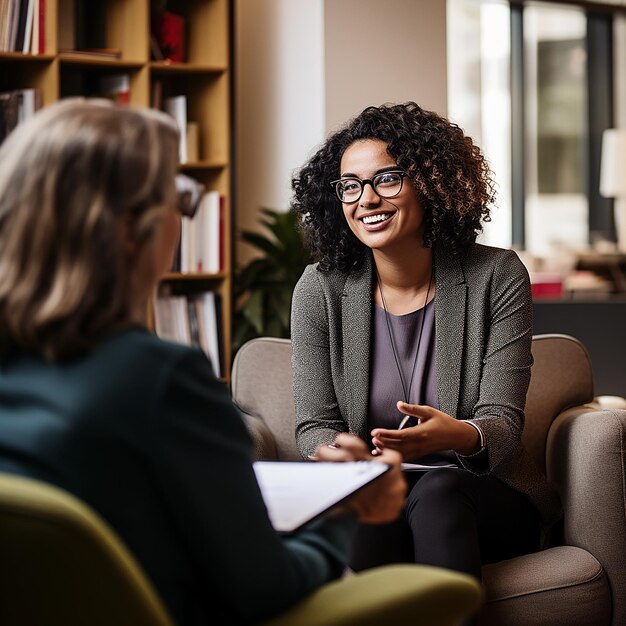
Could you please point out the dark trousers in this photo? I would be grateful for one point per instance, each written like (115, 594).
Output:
(452, 519)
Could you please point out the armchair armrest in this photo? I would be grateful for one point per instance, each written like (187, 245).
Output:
(401, 595)
(262, 438)
(586, 452)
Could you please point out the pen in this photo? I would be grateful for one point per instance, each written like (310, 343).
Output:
(408, 422)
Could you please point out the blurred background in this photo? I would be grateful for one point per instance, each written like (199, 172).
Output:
(536, 84)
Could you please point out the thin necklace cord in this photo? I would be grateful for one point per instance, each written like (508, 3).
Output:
(392, 341)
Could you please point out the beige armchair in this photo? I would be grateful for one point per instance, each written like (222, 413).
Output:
(579, 581)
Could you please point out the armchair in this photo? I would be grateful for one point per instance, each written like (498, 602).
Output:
(579, 581)
(61, 565)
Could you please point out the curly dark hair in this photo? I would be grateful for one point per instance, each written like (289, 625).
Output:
(451, 176)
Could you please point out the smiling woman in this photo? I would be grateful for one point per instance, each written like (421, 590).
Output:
(404, 314)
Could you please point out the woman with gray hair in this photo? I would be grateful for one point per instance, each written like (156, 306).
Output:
(91, 401)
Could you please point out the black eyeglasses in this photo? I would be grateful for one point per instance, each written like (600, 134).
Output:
(385, 184)
(189, 192)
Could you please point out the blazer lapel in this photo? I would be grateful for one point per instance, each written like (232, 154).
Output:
(356, 324)
(450, 303)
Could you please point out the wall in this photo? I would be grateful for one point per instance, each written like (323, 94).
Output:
(279, 101)
(299, 74)
(390, 51)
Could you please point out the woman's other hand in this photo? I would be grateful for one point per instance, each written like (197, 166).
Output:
(436, 431)
(381, 501)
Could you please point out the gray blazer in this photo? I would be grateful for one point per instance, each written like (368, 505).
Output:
(483, 325)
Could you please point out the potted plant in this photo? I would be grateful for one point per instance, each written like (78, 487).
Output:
(263, 287)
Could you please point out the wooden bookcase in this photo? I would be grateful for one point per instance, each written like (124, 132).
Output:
(203, 78)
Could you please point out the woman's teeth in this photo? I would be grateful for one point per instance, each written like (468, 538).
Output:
(373, 219)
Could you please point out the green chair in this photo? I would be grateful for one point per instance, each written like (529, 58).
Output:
(61, 565)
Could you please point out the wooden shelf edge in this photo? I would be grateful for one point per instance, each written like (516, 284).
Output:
(70, 58)
(165, 67)
(27, 58)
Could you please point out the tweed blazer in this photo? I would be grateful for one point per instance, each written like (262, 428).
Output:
(483, 335)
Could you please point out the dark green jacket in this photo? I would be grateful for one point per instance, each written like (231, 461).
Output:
(142, 431)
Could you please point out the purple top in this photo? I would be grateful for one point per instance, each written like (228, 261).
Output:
(385, 385)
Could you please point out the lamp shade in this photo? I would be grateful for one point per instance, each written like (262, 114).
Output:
(613, 164)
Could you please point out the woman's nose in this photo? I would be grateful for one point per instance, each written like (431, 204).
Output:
(369, 196)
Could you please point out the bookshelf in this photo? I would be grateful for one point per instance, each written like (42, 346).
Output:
(120, 33)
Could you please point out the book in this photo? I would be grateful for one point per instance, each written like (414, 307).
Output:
(169, 32)
(156, 98)
(192, 320)
(172, 319)
(34, 44)
(9, 112)
(17, 106)
(188, 261)
(41, 44)
(208, 233)
(13, 19)
(29, 103)
(116, 87)
(176, 106)
(4, 25)
(29, 27)
(194, 323)
(21, 27)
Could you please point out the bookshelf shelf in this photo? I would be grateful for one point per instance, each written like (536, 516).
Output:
(123, 28)
(163, 67)
(26, 58)
(89, 60)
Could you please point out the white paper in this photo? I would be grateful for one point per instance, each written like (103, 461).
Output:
(297, 492)
(417, 467)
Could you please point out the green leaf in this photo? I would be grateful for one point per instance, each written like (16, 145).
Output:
(264, 287)
(259, 241)
(253, 311)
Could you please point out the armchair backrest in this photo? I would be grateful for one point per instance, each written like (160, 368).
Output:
(61, 564)
(561, 378)
(262, 388)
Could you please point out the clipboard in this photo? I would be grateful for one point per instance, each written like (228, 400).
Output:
(297, 492)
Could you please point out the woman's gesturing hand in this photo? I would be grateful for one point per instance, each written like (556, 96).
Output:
(436, 431)
(381, 501)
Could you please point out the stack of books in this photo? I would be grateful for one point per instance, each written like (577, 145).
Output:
(17, 106)
(201, 239)
(22, 26)
(192, 320)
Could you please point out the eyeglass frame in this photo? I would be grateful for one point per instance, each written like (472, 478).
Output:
(370, 182)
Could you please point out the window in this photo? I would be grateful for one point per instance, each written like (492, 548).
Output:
(531, 83)
(555, 86)
(479, 94)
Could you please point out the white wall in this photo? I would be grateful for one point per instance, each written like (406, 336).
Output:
(279, 100)
(384, 51)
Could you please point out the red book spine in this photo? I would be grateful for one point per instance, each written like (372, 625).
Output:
(42, 27)
(170, 33)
